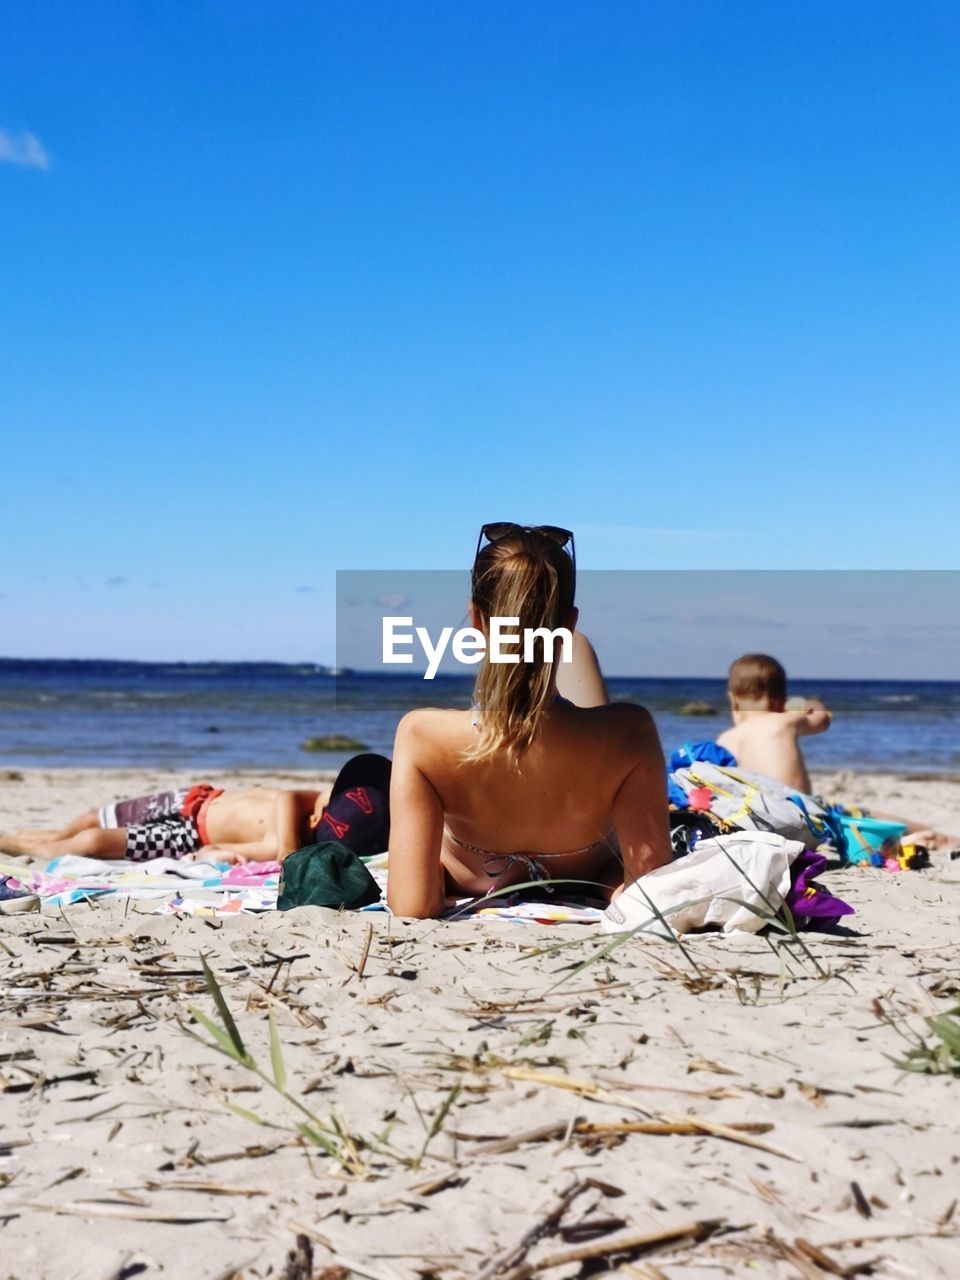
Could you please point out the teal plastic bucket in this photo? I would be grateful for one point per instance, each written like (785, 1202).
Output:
(870, 839)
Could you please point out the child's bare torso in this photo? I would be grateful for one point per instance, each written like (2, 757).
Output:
(766, 743)
(241, 817)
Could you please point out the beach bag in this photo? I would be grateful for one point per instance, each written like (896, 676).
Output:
(689, 753)
(737, 881)
(754, 802)
(326, 875)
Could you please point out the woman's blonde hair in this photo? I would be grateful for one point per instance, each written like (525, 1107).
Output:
(529, 576)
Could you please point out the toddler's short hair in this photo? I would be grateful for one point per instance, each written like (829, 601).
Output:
(757, 677)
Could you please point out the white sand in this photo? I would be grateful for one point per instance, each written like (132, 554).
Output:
(110, 1109)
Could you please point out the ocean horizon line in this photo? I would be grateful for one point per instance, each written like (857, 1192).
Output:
(332, 670)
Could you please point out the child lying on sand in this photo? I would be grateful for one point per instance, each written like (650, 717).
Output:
(259, 825)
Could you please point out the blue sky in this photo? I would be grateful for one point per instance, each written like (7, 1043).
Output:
(288, 287)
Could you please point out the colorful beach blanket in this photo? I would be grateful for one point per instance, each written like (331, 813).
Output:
(505, 906)
(169, 886)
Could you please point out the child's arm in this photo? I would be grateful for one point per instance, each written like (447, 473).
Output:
(809, 716)
(239, 852)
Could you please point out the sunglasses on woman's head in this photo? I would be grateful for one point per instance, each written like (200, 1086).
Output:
(499, 530)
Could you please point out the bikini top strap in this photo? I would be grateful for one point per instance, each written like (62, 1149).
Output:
(506, 860)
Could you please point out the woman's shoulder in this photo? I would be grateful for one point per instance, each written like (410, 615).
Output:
(628, 716)
(625, 728)
(426, 727)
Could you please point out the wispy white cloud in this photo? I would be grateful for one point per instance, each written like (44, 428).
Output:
(24, 149)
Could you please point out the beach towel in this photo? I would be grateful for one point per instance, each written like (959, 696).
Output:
(168, 886)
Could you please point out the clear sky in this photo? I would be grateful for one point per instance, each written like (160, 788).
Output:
(291, 287)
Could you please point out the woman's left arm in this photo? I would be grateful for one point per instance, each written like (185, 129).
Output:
(640, 809)
(415, 883)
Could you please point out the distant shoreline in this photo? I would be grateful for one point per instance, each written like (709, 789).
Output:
(208, 666)
(11, 771)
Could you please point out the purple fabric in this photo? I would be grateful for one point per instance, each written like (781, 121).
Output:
(808, 901)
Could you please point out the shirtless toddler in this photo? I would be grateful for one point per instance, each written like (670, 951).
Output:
(766, 728)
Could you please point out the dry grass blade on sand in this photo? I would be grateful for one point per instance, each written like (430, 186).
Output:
(633, 1245)
(593, 1092)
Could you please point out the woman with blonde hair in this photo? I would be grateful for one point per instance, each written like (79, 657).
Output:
(526, 785)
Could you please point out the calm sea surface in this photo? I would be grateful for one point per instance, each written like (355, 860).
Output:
(215, 716)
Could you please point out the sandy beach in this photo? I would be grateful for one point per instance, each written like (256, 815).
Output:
(484, 1108)
(527, 396)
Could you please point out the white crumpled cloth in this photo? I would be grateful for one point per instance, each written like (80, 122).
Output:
(717, 884)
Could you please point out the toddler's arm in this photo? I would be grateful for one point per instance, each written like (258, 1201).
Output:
(809, 715)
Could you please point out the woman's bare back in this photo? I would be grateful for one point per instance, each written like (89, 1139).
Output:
(487, 820)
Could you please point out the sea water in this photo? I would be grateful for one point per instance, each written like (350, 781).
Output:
(212, 717)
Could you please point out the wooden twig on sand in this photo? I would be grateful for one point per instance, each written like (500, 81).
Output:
(634, 1244)
(500, 1263)
(362, 962)
(587, 1089)
(348, 1265)
(583, 1128)
(129, 1212)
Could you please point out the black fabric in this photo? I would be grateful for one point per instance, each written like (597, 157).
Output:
(687, 826)
(366, 770)
(358, 813)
